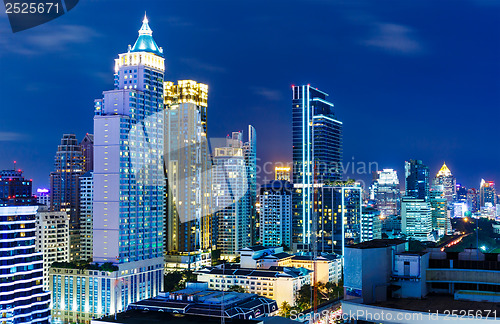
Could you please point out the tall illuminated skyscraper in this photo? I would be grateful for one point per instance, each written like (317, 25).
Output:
(129, 184)
(447, 180)
(64, 187)
(417, 179)
(385, 192)
(317, 153)
(250, 153)
(487, 193)
(188, 174)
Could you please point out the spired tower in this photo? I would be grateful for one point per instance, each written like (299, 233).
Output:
(447, 180)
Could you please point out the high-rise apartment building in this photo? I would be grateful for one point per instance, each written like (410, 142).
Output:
(232, 214)
(416, 218)
(64, 187)
(317, 154)
(87, 147)
(447, 180)
(129, 186)
(487, 193)
(43, 196)
(188, 163)
(385, 192)
(86, 216)
(23, 299)
(15, 190)
(275, 215)
(417, 179)
(52, 239)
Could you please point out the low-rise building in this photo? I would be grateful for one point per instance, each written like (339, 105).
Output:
(279, 283)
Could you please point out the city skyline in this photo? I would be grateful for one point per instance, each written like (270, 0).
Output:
(462, 51)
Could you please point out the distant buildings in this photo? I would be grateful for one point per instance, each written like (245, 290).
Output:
(87, 146)
(317, 155)
(23, 299)
(282, 173)
(385, 192)
(416, 218)
(275, 217)
(417, 179)
(487, 193)
(43, 196)
(64, 187)
(447, 180)
(15, 190)
(52, 239)
(230, 188)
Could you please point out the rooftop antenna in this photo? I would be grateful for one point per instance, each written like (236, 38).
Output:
(14, 165)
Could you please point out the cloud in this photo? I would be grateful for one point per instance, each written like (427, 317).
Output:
(197, 64)
(11, 137)
(394, 38)
(268, 94)
(46, 39)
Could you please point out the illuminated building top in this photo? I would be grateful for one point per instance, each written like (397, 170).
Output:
(444, 171)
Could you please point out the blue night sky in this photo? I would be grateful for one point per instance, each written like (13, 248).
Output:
(409, 79)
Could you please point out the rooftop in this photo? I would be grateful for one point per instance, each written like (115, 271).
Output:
(145, 41)
(378, 243)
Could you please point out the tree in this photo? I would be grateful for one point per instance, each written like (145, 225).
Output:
(285, 309)
(177, 280)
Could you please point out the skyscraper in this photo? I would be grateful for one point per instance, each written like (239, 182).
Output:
(487, 193)
(188, 171)
(86, 215)
(385, 192)
(416, 218)
(250, 153)
(275, 217)
(23, 299)
(317, 153)
(87, 146)
(128, 193)
(64, 187)
(232, 217)
(447, 180)
(439, 210)
(417, 179)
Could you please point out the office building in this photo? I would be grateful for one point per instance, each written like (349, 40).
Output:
(317, 154)
(87, 146)
(52, 239)
(371, 224)
(416, 218)
(447, 180)
(275, 216)
(15, 190)
(250, 153)
(23, 298)
(417, 179)
(128, 192)
(188, 163)
(473, 199)
(385, 192)
(86, 216)
(232, 214)
(282, 173)
(487, 193)
(439, 210)
(64, 187)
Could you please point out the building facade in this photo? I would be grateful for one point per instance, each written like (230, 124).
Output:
(439, 210)
(188, 166)
(275, 216)
(64, 187)
(86, 215)
(385, 192)
(417, 179)
(416, 218)
(371, 224)
(447, 180)
(52, 239)
(15, 190)
(487, 193)
(317, 155)
(21, 285)
(87, 146)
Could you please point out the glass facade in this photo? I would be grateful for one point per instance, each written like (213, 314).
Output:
(417, 179)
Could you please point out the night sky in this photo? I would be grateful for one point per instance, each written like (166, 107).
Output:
(409, 79)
